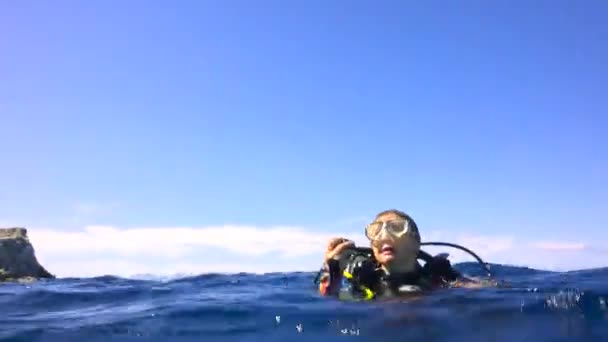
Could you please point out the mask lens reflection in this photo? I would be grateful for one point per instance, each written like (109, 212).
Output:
(394, 227)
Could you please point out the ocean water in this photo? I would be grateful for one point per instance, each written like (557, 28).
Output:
(537, 306)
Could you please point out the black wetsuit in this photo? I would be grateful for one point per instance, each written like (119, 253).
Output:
(377, 284)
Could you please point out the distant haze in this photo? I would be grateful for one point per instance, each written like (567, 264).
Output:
(232, 249)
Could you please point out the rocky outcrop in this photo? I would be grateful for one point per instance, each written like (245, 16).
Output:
(17, 257)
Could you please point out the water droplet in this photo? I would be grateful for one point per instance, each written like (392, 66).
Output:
(603, 303)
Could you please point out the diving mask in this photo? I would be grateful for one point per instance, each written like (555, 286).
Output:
(396, 228)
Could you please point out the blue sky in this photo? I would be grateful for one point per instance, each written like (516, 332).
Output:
(478, 120)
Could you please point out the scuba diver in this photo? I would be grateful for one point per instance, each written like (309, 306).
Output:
(390, 268)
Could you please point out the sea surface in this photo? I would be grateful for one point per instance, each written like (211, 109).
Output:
(536, 306)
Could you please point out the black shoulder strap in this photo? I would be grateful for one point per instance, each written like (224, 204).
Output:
(425, 256)
(441, 267)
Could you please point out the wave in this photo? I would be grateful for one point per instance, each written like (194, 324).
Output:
(537, 304)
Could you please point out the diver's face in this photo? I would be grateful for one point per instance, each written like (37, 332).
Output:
(390, 249)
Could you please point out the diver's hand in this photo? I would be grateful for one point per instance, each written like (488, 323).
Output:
(335, 247)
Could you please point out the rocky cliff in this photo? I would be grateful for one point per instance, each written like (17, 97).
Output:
(17, 257)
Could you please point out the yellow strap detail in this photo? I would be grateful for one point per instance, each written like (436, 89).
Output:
(369, 294)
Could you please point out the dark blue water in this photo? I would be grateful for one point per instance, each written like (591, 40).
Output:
(538, 306)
